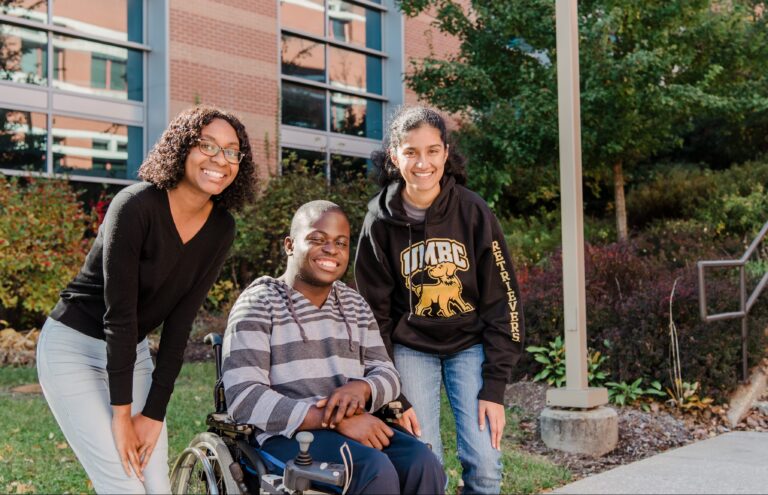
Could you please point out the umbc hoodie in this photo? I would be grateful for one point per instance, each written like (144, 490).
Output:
(444, 284)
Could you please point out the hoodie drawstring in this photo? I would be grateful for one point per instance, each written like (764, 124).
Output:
(292, 309)
(295, 316)
(346, 323)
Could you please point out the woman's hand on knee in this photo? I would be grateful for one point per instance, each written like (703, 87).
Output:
(410, 422)
(126, 440)
(496, 420)
(148, 432)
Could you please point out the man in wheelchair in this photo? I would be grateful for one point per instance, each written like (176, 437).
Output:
(303, 353)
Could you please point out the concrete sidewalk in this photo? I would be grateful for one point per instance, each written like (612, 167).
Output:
(735, 462)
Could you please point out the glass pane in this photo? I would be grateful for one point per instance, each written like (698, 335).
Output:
(97, 69)
(23, 55)
(303, 106)
(354, 70)
(303, 15)
(118, 19)
(303, 58)
(22, 140)
(354, 24)
(296, 160)
(91, 147)
(34, 10)
(356, 116)
(349, 168)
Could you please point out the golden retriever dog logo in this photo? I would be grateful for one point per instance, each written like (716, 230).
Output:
(445, 294)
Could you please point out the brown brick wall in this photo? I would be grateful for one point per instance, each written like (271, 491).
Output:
(423, 40)
(225, 52)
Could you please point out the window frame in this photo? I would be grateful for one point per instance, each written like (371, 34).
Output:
(393, 93)
(52, 101)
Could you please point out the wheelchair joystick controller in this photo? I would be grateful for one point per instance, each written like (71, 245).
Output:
(304, 438)
(301, 471)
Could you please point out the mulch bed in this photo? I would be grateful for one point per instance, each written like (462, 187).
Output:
(641, 434)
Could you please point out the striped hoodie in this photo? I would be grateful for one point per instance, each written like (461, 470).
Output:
(282, 354)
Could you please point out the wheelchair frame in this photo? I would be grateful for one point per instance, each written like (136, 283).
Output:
(213, 462)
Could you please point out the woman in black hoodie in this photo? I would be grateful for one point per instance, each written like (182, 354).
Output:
(434, 267)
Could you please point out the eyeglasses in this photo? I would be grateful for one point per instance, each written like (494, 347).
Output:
(210, 149)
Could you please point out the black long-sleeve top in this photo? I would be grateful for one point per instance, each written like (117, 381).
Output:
(139, 276)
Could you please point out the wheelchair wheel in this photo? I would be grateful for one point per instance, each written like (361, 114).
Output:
(203, 467)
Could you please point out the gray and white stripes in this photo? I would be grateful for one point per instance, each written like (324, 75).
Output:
(273, 374)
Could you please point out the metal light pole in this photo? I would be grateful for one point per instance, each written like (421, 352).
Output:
(576, 394)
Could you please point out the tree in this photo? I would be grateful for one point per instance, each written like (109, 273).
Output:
(647, 69)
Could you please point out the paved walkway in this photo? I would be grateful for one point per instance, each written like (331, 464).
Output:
(735, 462)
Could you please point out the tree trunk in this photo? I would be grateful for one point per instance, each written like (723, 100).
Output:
(620, 203)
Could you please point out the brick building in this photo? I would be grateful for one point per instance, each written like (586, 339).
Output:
(86, 87)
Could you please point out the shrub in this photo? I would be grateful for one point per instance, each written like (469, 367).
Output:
(262, 226)
(552, 358)
(532, 239)
(627, 298)
(730, 202)
(42, 246)
(626, 393)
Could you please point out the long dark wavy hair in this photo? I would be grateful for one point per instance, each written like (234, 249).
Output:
(406, 119)
(164, 166)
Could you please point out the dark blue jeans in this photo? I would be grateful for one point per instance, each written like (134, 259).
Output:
(405, 466)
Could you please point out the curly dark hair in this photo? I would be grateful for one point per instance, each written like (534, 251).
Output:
(404, 120)
(164, 166)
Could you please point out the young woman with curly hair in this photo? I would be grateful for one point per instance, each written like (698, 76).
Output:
(434, 267)
(159, 250)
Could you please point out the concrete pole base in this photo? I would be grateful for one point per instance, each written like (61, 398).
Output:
(592, 432)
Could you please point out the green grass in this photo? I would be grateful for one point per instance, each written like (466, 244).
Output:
(523, 472)
(35, 458)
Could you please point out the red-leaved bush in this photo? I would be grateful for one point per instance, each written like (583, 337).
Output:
(628, 296)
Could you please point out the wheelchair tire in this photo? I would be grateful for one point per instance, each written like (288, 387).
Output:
(203, 467)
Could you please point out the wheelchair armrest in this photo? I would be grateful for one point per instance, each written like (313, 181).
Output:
(390, 412)
(223, 423)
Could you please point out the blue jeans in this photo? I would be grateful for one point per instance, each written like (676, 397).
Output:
(421, 375)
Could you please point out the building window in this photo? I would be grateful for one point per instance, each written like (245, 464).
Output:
(23, 140)
(76, 80)
(335, 55)
(340, 168)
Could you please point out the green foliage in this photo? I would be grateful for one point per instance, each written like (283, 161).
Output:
(648, 70)
(730, 202)
(686, 396)
(221, 297)
(625, 393)
(531, 239)
(42, 245)
(552, 357)
(263, 225)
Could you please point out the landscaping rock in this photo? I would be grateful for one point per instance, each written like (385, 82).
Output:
(744, 397)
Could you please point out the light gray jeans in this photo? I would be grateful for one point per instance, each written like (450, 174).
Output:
(71, 367)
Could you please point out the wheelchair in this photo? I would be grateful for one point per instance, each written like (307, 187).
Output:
(224, 460)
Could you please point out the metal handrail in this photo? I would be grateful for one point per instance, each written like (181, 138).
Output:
(745, 304)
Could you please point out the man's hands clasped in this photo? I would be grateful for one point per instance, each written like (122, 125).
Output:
(346, 401)
(344, 411)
